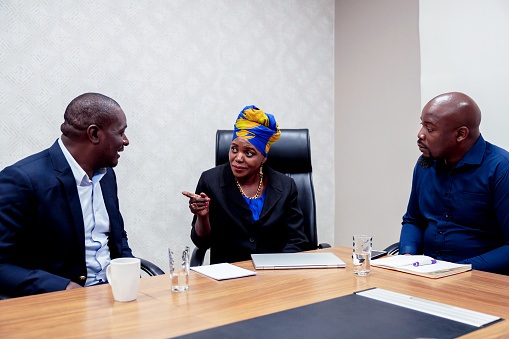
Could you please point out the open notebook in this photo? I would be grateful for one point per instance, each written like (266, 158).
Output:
(275, 261)
(407, 264)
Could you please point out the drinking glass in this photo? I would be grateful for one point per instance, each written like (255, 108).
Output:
(361, 254)
(179, 268)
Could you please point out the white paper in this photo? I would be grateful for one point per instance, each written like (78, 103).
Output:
(223, 271)
(431, 307)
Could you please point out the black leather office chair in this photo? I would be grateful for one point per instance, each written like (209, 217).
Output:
(393, 249)
(150, 268)
(290, 155)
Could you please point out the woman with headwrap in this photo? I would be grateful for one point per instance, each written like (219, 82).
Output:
(243, 207)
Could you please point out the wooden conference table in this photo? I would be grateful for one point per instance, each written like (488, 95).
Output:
(160, 313)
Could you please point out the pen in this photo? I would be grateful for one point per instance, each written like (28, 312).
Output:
(424, 262)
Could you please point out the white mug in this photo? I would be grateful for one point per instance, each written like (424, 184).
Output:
(124, 277)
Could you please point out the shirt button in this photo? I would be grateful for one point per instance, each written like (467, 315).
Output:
(441, 231)
(252, 239)
(83, 278)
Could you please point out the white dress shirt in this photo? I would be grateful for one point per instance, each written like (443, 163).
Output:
(95, 219)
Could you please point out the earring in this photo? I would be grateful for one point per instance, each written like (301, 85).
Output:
(261, 170)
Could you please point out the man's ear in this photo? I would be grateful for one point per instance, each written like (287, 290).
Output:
(462, 133)
(93, 133)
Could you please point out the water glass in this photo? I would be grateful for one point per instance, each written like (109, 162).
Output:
(179, 268)
(361, 254)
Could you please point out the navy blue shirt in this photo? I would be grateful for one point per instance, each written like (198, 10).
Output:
(461, 214)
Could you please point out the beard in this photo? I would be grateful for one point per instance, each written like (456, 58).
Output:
(425, 162)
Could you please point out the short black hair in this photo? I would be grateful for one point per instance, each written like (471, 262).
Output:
(88, 109)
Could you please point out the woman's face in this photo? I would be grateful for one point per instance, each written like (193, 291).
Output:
(245, 159)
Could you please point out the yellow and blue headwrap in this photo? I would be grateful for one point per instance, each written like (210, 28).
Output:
(259, 128)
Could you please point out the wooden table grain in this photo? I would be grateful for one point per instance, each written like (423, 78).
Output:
(160, 313)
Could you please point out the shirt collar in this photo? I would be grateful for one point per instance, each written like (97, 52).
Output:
(475, 154)
(472, 158)
(79, 174)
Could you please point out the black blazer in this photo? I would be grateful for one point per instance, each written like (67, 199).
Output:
(234, 235)
(42, 237)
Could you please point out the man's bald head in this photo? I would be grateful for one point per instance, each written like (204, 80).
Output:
(450, 127)
(456, 109)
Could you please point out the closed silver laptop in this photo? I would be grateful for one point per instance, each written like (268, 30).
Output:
(275, 261)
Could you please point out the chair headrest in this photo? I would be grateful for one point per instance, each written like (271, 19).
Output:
(290, 154)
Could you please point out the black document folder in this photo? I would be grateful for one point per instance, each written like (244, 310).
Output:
(350, 316)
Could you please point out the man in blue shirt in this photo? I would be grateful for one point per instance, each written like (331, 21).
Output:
(459, 204)
(60, 223)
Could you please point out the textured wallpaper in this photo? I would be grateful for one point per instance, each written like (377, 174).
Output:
(180, 70)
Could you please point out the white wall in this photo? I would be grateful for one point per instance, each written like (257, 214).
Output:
(180, 70)
(377, 107)
(464, 47)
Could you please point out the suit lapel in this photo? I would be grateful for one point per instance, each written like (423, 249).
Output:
(274, 191)
(231, 191)
(64, 174)
(110, 198)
